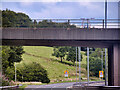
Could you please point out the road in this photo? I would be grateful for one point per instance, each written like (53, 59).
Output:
(51, 86)
(57, 86)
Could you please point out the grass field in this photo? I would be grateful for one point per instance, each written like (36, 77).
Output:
(55, 69)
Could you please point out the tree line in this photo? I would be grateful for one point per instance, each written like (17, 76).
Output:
(13, 19)
(69, 53)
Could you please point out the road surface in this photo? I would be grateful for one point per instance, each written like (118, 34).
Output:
(50, 86)
(57, 86)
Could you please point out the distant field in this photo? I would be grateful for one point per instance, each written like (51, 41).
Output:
(54, 67)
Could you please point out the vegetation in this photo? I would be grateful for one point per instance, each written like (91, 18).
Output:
(32, 72)
(53, 65)
(71, 55)
(51, 24)
(10, 54)
(5, 81)
(69, 52)
(95, 62)
(60, 52)
(13, 19)
(22, 87)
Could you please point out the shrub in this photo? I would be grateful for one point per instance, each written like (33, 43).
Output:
(95, 66)
(5, 81)
(33, 72)
(10, 73)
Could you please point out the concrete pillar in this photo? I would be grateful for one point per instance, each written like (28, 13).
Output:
(114, 65)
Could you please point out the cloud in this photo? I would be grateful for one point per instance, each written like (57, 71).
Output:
(25, 4)
(60, 9)
(68, 10)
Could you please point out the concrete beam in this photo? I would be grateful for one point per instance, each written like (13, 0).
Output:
(82, 43)
(60, 34)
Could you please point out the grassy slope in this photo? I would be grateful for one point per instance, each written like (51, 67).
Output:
(53, 66)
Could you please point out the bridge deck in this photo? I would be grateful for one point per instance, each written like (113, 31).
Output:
(60, 36)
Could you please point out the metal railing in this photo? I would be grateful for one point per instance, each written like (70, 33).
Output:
(9, 87)
(68, 23)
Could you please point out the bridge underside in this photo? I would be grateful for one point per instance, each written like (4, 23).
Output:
(82, 43)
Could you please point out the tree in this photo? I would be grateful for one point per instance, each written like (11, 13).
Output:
(10, 54)
(5, 56)
(71, 56)
(95, 62)
(13, 19)
(33, 72)
(59, 52)
(15, 54)
(95, 66)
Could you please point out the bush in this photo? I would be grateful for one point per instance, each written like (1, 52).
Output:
(95, 66)
(6, 81)
(10, 73)
(33, 72)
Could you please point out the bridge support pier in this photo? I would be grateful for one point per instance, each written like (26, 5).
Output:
(114, 65)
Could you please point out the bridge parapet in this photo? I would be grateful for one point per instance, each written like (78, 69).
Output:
(69, 23)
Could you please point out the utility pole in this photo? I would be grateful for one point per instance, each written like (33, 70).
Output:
(88, 56)
(105, 14)
(76, 64)
(88, 64)
(105, 66)
(105, 48)
(102, 61)
(79, 56)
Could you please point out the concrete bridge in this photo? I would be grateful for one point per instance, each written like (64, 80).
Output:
(100, 38)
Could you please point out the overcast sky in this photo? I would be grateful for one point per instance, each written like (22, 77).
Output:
(63, 9)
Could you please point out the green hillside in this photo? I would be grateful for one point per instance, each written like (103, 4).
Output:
(54, 67)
